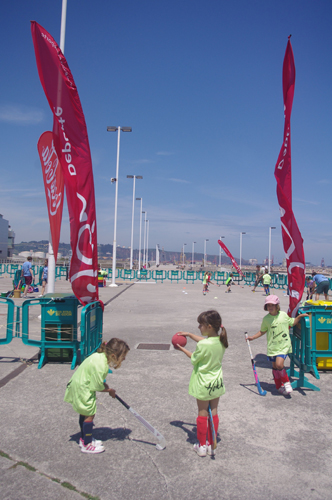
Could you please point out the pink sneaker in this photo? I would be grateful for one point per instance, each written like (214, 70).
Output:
(91, 448)
(95, 442)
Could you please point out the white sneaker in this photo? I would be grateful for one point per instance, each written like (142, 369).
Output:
(282, 390)
(90, 448)
(95, 442)
(210, 451)
(200, 450)
(288, 387)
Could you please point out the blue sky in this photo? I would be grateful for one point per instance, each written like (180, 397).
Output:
(200, 85)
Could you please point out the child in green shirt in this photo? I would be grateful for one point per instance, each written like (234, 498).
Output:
(276, 326)
(89, 378)
(206, 382)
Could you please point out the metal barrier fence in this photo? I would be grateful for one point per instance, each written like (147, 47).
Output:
(91, 329)
(279, 281)
(301, 356)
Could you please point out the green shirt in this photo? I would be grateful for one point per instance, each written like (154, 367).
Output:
(87, 379)
(206, 380)
(266, 279)
(277, 332)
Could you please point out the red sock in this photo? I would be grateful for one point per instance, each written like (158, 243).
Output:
(201, 430)
(277, 379)
(283, 376)
(216, 425)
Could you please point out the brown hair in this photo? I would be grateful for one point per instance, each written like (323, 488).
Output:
(115, 351)
(213, 319)
(277, 306)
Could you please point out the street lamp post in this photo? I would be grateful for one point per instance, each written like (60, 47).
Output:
(205, 252)
(147, 243)
(193, 254)
(144, 236)
(270, 234)
(132, 217)
(116, 180)
(184, 244)
(241, 248)
(220, 251)
(140, 238)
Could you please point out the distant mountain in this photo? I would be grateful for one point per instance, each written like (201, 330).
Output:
(106, 251)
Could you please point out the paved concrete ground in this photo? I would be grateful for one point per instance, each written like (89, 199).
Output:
(270, 447)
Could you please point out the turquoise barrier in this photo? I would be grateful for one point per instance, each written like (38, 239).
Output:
(219, 277)
(279, 281)
(174, 275)
(159, 275)
(189, 276)
(11, 269)
(127, 274)
(58, 325)
(301, 357)
(18, 278)
(91, 329)
(7, 332)
(144, 274)
(200, 275)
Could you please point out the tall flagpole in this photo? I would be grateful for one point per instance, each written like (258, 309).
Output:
(51, 258)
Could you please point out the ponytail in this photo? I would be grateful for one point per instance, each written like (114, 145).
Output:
(223, 336)
(213, 318)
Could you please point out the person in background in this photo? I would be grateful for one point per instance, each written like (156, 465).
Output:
(44, 277)
(322, 285)
(26, 273)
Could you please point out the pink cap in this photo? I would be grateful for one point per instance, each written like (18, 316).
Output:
(271, 299)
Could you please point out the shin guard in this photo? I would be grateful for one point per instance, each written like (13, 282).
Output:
(277, 379)
(81, 422)
(87, 432)
(283, 376)
(202, 425)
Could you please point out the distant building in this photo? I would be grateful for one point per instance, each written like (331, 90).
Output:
(7, 238)
(253, 262)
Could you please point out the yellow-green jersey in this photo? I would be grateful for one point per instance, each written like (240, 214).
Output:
(87, 379)
(277, 333)
(206, 380)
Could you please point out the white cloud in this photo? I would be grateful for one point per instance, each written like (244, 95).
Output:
(20, 115)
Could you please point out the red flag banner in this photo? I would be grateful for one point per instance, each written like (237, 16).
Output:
(291, 236)
(223, 246)
(72, 147)
(53, 182)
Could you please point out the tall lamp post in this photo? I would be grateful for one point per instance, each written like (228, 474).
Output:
(184, 244)
(132, 217)
(193, 254)
(140, 238)
(144, 236)
(270, 234)
(220, 251)
(241, 248)
(205, 252)
(116, 180)
(147, 243)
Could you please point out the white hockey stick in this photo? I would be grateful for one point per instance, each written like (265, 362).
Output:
(162, 443)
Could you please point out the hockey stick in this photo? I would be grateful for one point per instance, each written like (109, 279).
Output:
(162, 443)
(214, 437)
(260, 390)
